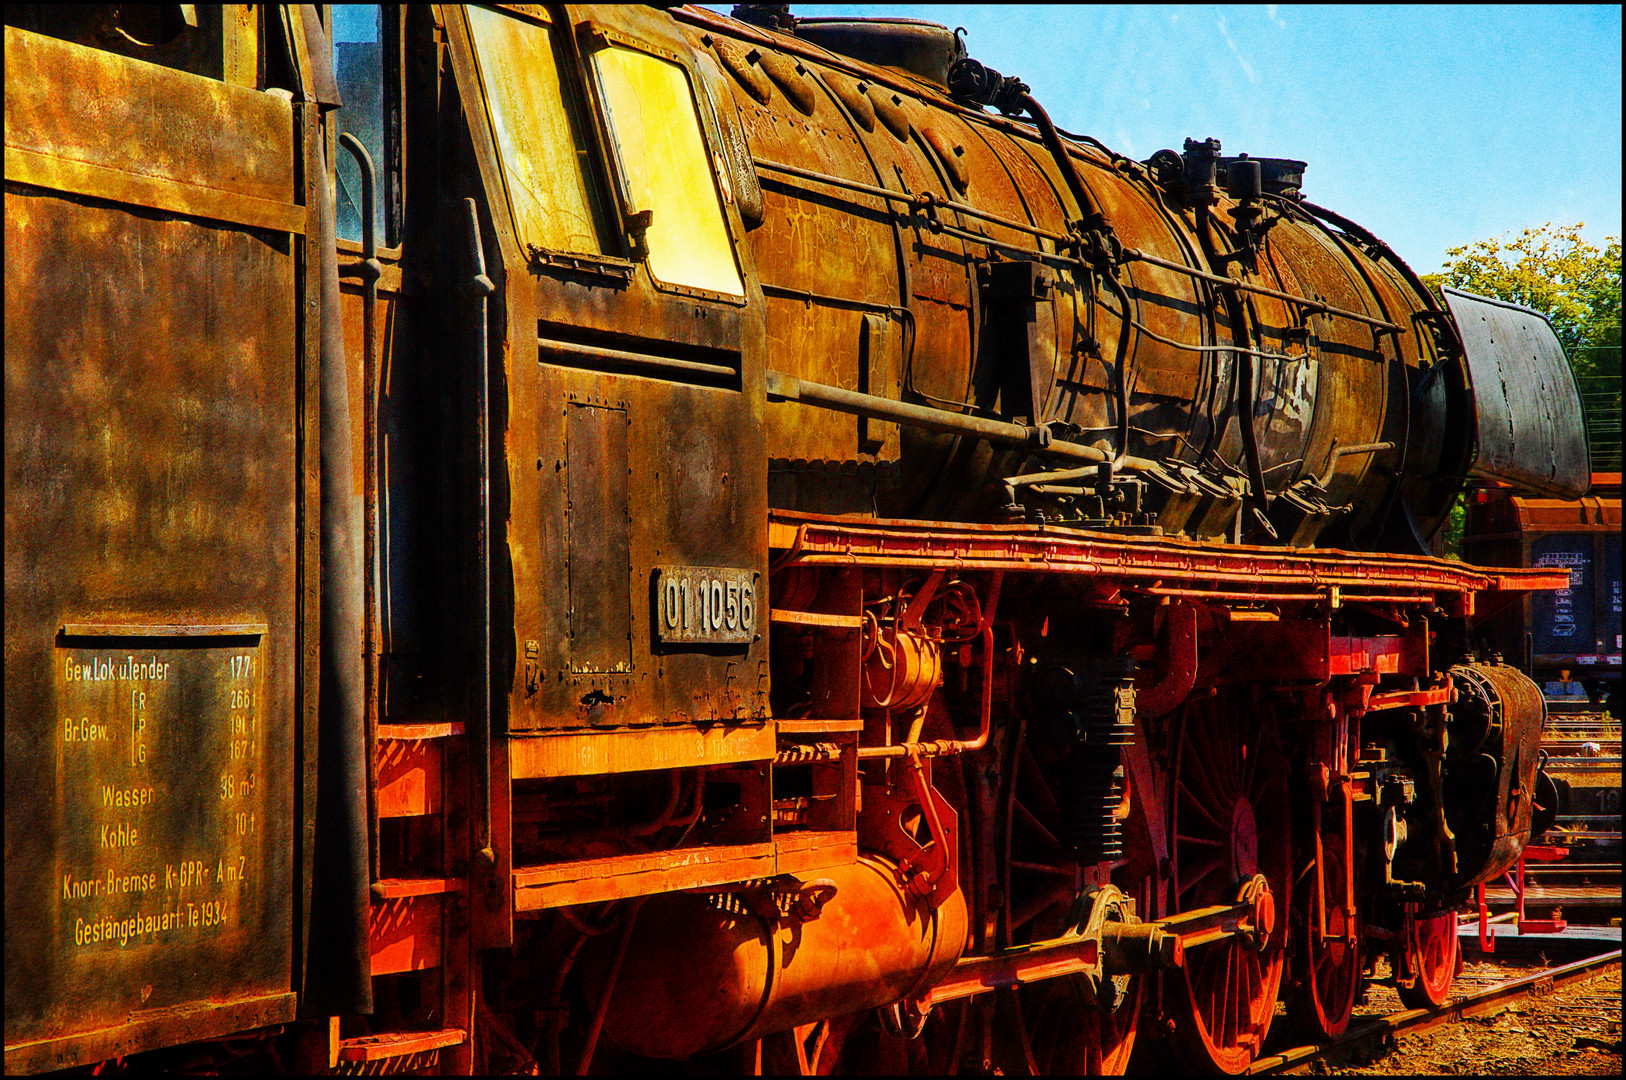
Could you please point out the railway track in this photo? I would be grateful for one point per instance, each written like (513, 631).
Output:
(1478, 1003)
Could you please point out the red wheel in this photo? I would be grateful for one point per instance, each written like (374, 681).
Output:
(1327, 973)
(1230, 822)
(1431, 953)
(1070, 1027)
(1074, 1036)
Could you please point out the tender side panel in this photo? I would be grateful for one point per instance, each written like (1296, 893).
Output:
(150, 558)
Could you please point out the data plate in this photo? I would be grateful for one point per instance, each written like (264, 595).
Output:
(706, 605)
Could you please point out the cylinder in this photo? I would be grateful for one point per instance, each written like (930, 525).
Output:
(700, 974)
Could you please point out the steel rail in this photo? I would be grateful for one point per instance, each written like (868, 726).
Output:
(1486, 1002)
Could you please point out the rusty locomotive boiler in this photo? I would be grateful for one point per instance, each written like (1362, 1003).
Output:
(548, 538)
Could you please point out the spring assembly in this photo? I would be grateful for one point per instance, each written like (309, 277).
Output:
(1086, 707)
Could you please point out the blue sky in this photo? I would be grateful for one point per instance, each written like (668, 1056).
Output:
(1430, 126)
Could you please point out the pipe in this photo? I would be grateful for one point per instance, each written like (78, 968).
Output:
(1315, 307)
(786, 387)
(339, 973)
(1339, 451)
(664, 817)
(1119, 368)
(924, 199)
(1180, 664)
(1244, 396)
(1423, 292)
(600, 1009)
(946, 747)
(1261, 353)
(1089, 213)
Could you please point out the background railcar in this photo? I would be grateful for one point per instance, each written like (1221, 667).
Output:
(1575, 629)
(574, 537)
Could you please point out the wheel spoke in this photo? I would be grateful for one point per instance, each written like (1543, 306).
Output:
(1038, 791)
(1256, 985)
(1235, 754)
(1202, 785)
(1213, 766)
(1035, 827)
(1188, 885)
(1249, 761)
(1191, 799)
(1233, 1002)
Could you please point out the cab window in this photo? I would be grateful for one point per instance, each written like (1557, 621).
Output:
(670, 185)
(545, 163)
(367, 75)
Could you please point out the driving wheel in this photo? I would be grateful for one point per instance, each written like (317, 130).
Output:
(1432, 951)
(1327, 970)
(1231, 841)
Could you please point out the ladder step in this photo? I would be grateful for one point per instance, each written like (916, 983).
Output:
(410, 781)
(815, 618)
(401, 888)
(394, 1044)
(406, 926)
(420, 731)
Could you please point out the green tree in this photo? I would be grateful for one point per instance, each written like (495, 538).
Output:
(1553, 270)
(1575, 284)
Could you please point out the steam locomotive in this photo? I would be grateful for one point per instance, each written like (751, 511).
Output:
(572, 537)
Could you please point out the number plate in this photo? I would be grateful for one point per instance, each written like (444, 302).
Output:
(705, 605)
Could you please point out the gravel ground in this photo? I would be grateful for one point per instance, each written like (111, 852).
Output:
(1575, 1031)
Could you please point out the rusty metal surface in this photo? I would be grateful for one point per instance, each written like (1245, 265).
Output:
(223, 151)
(151, 392)
(670, 469)
(151, 484)
(1502, 714)
(1527, 408)
(1329, 381)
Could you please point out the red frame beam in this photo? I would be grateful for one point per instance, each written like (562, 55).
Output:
(1159, 565)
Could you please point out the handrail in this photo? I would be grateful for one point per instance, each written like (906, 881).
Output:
(369, 270)
(480, 287)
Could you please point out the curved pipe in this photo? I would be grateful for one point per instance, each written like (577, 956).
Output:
(1179, 665)
(1089, 213)
(1090, 219)
(945, 747)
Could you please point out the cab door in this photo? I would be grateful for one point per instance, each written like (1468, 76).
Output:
(636, 486)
